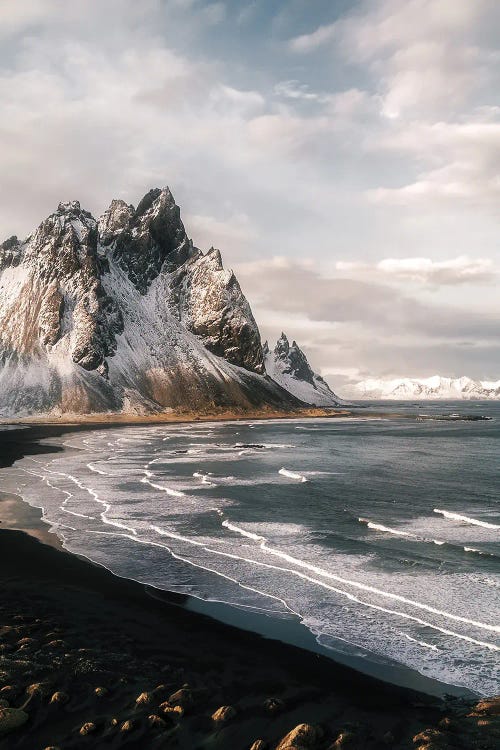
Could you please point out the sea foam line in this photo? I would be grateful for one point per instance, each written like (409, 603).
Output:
(353, 598)
(373, 590)
(466, 519)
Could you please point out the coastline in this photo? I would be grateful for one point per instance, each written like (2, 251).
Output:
(227, 664)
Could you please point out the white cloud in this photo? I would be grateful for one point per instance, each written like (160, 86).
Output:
(459, 270)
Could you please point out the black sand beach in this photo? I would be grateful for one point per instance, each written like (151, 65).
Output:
(91, 660)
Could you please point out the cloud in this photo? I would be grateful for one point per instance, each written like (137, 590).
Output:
(298, 288)
(317, 38)
(459, 270)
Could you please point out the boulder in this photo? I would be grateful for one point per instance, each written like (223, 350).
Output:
(302, 737)
(87, 728)
(59, 698)
(223, 714)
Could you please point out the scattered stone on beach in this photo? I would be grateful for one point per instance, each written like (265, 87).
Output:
(59, 698)
(345, 739)
(127, 726)
(223, 715)
(114, 722)
(427, 736)
(37, 688)
(175, 712)
(11, 718)
(26, 641)
(273, 705)
(87, 728)
(100, 691)
(156, 721)
(258, 745)
(144, 699)
(183, 697)
(487, 706)
(302, 737)
(54, 644)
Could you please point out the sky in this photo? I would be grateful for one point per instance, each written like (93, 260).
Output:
(344, 156)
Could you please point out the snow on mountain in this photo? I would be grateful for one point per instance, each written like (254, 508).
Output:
(124, 314)
(435, 387)
(287, 365)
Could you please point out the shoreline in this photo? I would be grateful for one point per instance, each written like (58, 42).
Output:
(29, 519)
(128, 629)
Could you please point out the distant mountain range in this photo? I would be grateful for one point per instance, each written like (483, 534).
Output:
(125, 314)
(435, 387)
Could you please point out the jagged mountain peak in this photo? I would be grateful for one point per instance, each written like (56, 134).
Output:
(288, 365)
(99, 315)
(149, 239)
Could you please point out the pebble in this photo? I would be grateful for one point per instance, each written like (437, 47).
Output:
(223, 714)
(87, 728)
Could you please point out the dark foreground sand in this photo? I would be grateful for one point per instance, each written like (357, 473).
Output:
(88, 660)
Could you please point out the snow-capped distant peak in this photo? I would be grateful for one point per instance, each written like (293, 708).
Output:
(434, 387)
(287, 365)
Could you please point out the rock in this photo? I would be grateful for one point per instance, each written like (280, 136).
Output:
(52, 747)
(26, 641)
(345, 739)
(11, 718)
(144, 699)
(127, 726)
(100, 691)
(182, 697)
(172, 711)
(273, 705)
(430, 738)
(258, 745)
(156, 721)
(302, 737)
(59, 698)
(223, 714)
(38, 688)
(487, 706)
(114, 722)
(130, 317)
(4, 703)
(87, 728)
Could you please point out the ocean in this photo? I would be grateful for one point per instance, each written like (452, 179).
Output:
(379, 535)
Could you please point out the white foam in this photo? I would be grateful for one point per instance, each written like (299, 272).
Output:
(386, 529)
(292, 475)
(466, 519)
(242, 532)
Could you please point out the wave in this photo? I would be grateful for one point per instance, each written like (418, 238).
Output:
(242, 532)
(465, 519)
(386, 529)
(292, 475)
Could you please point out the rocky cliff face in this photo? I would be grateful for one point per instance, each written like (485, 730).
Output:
(124, 313)
(287, 365)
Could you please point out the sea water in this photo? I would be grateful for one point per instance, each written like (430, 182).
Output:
(380, 535)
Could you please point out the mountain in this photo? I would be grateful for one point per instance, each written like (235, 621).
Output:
(436, 387)
(288, 366)
(125, 314)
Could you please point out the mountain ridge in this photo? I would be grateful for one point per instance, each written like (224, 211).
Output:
(436, 387)
(124, 313)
